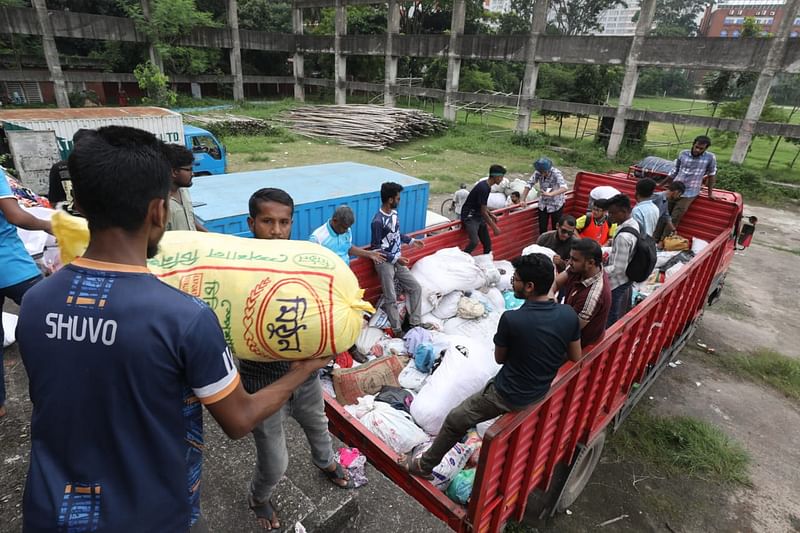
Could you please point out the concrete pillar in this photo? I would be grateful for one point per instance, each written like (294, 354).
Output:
(390, 75)
(772, 63)
(155, 57)
(454, 59)
(528, 91)
(236, 51)
(647, 10)
(297, 59)
(51, 53)
(340, 60)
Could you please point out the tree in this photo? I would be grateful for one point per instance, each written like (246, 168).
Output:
(265, 15)
(576, 17)
(171, 20)
(655, 81)
(154, 83)
(677, 18)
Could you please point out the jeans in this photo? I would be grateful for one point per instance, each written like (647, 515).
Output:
(272, 458)
(544, 216)
(388, 272)
(618, 304)
(477, 230)
(15, 292)
(481, 406)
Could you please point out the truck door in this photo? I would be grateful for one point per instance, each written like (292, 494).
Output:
(209, 155)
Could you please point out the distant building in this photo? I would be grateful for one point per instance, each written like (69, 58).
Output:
(727, 18)
(619, 20)
(497, 6)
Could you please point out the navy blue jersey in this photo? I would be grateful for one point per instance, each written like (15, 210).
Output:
(119, 365)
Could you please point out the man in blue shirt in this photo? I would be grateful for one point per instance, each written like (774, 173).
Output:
(386, 239)
(692, 167)
(337, 237)
(119, 363)
(531, 343)
(645, 212)
(18, 272)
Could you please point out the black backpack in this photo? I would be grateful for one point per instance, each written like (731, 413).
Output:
(643, 260)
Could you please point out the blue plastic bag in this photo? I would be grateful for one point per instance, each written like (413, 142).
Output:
(460, 488)
(512, 302)
(424, 357)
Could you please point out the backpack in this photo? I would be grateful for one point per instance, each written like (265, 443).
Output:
(643, 260)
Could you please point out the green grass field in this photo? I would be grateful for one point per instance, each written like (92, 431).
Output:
(464, 153)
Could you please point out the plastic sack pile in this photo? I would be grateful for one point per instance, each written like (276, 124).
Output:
(275, 300)
(463, 299)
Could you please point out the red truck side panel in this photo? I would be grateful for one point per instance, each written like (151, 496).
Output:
(521, 450)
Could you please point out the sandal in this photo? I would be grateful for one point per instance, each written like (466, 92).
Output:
(412, 465)
(265, 513)
(339, 475)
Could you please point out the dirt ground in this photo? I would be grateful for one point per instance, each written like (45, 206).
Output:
(757, 310)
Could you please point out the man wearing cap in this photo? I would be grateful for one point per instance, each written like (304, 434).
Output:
(475, 214)
(551, 186)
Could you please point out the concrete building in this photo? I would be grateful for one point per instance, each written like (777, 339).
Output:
(619, 20)
(727, 18)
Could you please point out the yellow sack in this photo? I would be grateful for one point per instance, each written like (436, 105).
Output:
(676, 243)
(275, 300)
(72, 234)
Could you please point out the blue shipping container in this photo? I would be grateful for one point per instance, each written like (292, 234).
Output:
(317, 190)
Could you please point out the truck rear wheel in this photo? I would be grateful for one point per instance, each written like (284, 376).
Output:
(581, 472)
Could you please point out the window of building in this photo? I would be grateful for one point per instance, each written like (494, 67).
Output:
(736, 33)
(797, 21)
(793, 34)
(723, 33)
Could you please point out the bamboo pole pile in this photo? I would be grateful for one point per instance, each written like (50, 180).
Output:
(369, 127)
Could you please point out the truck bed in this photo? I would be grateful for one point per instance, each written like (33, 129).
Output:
(521, 450)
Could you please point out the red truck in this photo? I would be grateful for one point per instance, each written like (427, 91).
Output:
(551, 448)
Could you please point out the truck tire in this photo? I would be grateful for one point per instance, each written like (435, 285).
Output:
(581, 472)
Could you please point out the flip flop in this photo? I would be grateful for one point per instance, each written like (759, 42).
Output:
(264, 510)
(338, 474)
(411, 464)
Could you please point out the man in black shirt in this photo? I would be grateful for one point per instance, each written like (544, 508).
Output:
(531, 343)
(475, 215)
(59, 182)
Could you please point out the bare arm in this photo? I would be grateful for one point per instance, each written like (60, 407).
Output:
(239, 412)
(369, 254)
(574, 352)
(710, 181)
(490, 219)
(561, 279)
(500, 354)
(21, 218)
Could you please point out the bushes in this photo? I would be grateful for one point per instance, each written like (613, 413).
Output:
(751, 184)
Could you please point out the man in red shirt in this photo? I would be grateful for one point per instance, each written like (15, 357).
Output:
(586, 289)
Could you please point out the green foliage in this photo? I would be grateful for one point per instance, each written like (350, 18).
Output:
(751, 183)
(265, 15)
(681, 445)
(677, 18)
(79, 98)
(171, 20)
(154, 83)
(532, 139)
(474, 80)
(588, 84)
(738, 109)
(227, 128)
(655, 81)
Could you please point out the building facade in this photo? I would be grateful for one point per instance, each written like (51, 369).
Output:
(619, 21)
(726, 19)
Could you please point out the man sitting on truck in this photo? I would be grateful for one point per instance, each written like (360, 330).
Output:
(665, 226)
(387, 240)
(586, 289)
(181, 214)
(560, 240)
(619, 211)
(271, 212)
(337, 237)
(531, 343)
